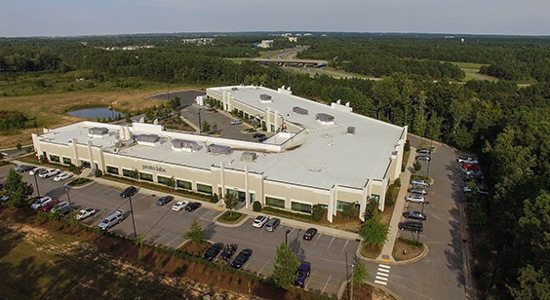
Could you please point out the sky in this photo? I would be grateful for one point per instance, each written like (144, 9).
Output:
(28, 18)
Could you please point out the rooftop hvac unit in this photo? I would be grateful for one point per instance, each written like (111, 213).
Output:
(351, 130)
(185, 145)
(265, 98)
(219, 149)
(249, 156)
(300, 111)
(234, 89)
(324, 118)
(98, 132)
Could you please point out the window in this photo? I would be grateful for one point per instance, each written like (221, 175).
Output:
(252, 197)
(112, 170)
(301, 207)
(67, 160)
(86, 164)
(375, 197)
(203, 188)
(275, 202)
(182, 184)
(163, 180)
(146, 176)
(128, 173)
(341, 204)
(272, 128)
(54, 158)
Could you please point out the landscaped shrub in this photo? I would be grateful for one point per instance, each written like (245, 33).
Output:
(214, 198)
(256, 206)
(317, 212)
(397, 182)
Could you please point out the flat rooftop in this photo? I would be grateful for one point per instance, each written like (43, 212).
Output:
(327, 156)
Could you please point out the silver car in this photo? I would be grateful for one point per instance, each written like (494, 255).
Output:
(415, 198)
(420, 182)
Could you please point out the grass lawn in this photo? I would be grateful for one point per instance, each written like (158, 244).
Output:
(406, 249)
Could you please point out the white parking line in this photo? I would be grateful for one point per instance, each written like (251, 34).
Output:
(318, 238)
(344, 248)
(384, 266)
(260, 272)
(170, 243)
(326, 283)
(310, 279)
(381, 282)
(330, 242)
(382, 278)
(383, 270)
(382, 274)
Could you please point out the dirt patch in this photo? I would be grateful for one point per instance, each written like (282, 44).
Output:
(406, 249)
(342, 223)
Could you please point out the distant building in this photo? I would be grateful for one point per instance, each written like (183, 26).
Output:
(265, 44)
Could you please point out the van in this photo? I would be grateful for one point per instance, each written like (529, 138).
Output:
(61, 208)
(272, 224)
(111, 220)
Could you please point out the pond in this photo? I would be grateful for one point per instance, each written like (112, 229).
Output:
(96, 112)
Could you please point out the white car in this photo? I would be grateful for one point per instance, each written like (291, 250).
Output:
(236, 122)
(260, 221)
(415, 198)
(468, 160)
(180, 205)
(36, 171)
(84, 213)
(48, 173)
(38, 203)
(62, 176)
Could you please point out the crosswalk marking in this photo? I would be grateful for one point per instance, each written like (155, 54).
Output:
(382, 274)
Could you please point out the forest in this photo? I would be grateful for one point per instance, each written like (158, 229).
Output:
(505, 125)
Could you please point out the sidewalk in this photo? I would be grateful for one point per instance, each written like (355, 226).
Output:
(387, 249)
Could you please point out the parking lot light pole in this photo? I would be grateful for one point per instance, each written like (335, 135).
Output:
(351, 288)
(36, 183)
(132, 212)
(200, 123)
(286, 237)
(68, 197)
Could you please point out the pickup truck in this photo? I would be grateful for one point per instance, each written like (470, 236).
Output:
(302, 273)
(468, 160)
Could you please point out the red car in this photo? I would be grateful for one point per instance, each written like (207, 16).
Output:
(472, 167)
(48, 205)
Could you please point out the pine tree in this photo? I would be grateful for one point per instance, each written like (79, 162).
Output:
(285, 266)
(195, 233)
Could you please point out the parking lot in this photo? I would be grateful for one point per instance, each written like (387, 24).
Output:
(327, 254)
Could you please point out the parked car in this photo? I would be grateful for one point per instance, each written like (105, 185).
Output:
(260, 221)
(38, 202)
(116, 217)
(241, 258)
(23, 168)
(468, 160)
(413, 226)
(236, 122)
(420, 182)
(84, 213)
(472, 167)
(415, 215)
(62, 176)
(423, 151)
(61, 208)
(423, 158)
(258, 135)
(129, 192)
(415, 198)
(180, 205)
(36, 171)
(48, 173)
(272, 224)
(477, 190)
(164, 200)
(192, 206)
(213, 251)
(263, 138)
(309, 234)
(418, 190)
(48, 205)
(302, 273)
(228, 251)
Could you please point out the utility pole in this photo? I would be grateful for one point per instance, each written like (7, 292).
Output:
(286, 237)
(200, 123)
(351, 283)
(68, 198)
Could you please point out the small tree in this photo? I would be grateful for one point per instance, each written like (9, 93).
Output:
(231, 202)
(195, 233)
(285, 266)
(214, 198)
(417, 166)
(256, 206)
(127, 117)
(317, 212)
(77, 170)
(43, 159)
(171, 183)
(73, 221)
(373, 231)
(16, 189)
(205, 127)
(372, 207)
(19, 147)
(407, 146)
(349, 210)
(360, 273)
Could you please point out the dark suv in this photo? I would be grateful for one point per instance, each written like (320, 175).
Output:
(413, 226)
(213, 251)
(129, 192)
(302, 273)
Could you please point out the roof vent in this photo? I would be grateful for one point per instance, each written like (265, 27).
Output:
(351, 130)
(147, 139)
(234, 89)
(325, 119)
(98, 132)
(300, 111)
(185, 145)
(249, 156)
(219, 149)
(264, 98)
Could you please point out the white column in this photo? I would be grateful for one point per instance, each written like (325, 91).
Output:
(222, 179)
(275, 119)
(382, 202)
(363, 205)
(267, 121)
(90, 154)
(76, 157)
(331, 205)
